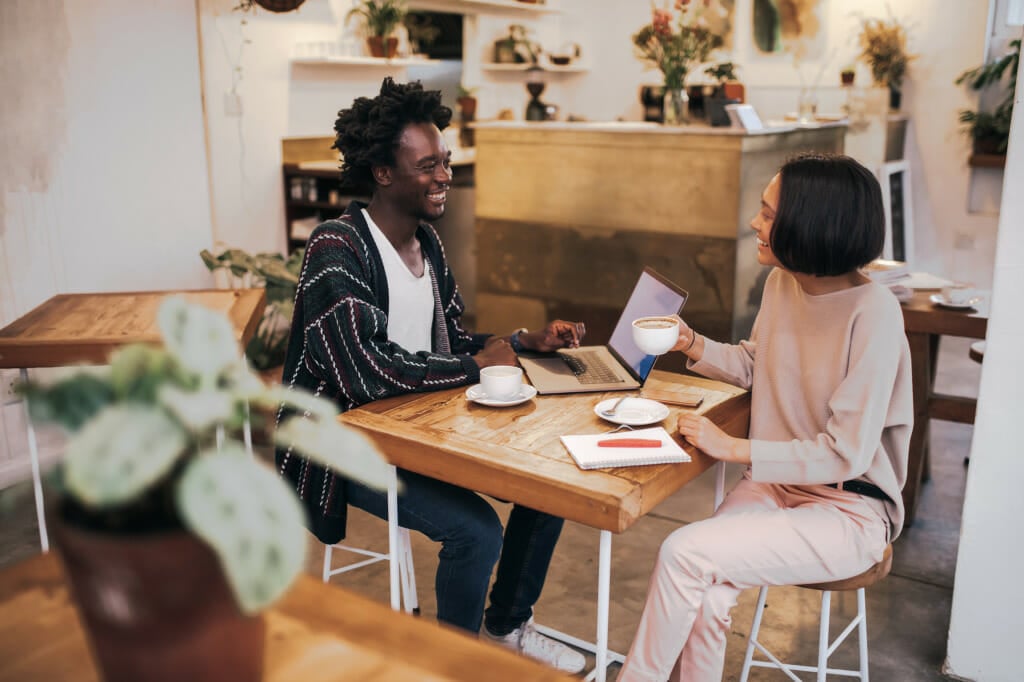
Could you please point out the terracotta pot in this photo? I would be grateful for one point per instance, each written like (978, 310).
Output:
(467, 106)
(158, 608)
(733, 90)
(382, 47)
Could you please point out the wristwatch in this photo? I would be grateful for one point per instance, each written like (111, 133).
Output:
(514, 341)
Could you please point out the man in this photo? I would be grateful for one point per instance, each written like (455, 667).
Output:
(377, 314)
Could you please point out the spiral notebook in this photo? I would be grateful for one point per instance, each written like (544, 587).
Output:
(589, 455)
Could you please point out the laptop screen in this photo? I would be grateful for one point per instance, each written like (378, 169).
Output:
(652, 295)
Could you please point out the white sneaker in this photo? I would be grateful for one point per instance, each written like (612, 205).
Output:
(526, 640)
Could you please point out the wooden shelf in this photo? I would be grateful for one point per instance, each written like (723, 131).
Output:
(482, 6)
(551, 68)
(987, 160)
(361, 61)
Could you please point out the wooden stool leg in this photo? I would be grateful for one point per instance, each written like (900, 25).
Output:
(754, 628)
(826, 609)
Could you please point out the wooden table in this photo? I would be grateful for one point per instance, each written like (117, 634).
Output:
(514, 453)
(86, 328)
(925, 323)
(315, 633)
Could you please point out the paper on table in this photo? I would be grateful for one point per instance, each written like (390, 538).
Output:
(925, 280)
(588, 455)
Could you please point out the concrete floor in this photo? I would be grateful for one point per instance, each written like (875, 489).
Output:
(908, 612)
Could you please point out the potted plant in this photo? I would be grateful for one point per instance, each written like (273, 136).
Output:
(847, 74)
(990, 131)
(883, 44)
(172, 536)
(381, 18)
(280, 277)
(727, 90)
(516, 47)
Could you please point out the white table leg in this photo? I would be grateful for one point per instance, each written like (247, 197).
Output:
(604, 577)
(393, 566)
(719, 484)
(37, 481)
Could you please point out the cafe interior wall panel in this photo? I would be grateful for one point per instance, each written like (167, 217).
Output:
(618, 185)
(570, 272)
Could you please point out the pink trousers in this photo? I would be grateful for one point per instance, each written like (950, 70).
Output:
(763, 534)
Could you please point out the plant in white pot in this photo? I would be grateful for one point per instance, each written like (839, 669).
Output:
(173, 536)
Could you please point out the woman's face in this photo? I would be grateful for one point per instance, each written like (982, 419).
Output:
(762, 223)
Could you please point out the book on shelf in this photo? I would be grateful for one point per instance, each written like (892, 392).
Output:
(597, 450)
(301, 228)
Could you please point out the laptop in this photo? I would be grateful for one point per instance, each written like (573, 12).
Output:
(617, 366)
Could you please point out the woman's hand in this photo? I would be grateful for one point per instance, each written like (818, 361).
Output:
(704, 435)
(690, 342)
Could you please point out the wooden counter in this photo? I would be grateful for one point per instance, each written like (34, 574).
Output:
(568, 214)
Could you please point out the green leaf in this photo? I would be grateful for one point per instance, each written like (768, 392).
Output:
(337, 447)
(251, 519)
(120, 453)
(198, 410)
(70, 402)
(201, 339)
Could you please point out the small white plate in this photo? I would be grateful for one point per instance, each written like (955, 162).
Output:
(633, 411)
(477, 395)
(937, 299)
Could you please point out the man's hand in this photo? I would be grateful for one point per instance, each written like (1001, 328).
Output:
(702, 433)
(496, 351)
(558, 334)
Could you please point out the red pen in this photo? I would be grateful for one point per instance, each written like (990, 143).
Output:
(629, 443)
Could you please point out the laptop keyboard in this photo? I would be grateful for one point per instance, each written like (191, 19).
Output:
(590, 368)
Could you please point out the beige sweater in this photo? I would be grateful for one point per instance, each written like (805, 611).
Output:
(830, 385)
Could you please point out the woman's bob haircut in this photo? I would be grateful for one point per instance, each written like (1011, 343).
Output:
(830, 219)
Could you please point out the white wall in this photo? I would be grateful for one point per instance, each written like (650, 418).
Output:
(988, 611)
(103, 176)
(279, 99)
(948, 39)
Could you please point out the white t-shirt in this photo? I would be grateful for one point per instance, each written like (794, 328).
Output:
(410, 298)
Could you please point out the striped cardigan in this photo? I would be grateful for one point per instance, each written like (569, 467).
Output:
(338, 347)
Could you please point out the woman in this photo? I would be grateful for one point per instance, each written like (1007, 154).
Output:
(828, 368)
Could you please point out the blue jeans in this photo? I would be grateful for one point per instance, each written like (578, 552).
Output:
(470, 534)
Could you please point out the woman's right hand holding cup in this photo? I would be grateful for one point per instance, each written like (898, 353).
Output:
(690, 343)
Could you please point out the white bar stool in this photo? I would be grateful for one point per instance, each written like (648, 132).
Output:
(857, 582)
(403, 575)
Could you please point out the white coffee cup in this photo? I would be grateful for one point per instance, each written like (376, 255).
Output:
(957, 293)
(655, 335)
(501, 382)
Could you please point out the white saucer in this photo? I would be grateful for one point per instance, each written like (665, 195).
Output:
(937, 299)
(477, 395)
(633, 411)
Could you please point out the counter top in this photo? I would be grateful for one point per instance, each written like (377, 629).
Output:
(460, 157)
(650, 127)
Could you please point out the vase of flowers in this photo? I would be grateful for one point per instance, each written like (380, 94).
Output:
(883, 44)
(674, 40)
